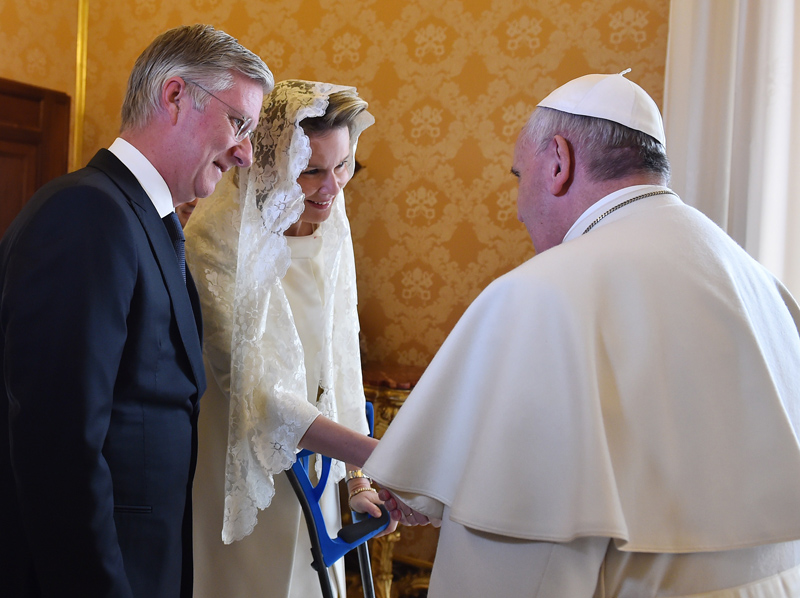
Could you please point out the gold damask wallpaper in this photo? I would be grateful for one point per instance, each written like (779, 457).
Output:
(450, 83)
(37, 42)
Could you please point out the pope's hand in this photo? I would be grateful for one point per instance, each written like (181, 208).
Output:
(402, 512)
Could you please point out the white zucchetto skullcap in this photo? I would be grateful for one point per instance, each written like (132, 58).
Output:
(612, 97)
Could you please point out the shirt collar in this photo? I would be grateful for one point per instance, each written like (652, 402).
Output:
(605, 204)
(149, 178)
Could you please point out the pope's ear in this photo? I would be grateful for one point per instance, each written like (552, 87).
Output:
(561, 166)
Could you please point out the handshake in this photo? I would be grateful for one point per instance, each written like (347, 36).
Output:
(366, 499)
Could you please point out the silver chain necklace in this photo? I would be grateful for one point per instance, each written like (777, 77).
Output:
(621, 205)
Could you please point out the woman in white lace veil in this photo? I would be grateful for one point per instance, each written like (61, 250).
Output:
(273, 258)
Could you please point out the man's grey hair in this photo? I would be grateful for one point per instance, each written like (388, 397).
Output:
(197, 53)
(610, 150)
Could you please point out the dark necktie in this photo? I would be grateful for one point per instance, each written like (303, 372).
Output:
(176, 234)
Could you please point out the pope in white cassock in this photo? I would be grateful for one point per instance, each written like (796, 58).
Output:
(619, 415)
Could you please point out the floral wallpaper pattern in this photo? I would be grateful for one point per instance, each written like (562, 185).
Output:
(37, 42)
(450, 83)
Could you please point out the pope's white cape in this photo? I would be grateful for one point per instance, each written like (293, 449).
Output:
(630, 383)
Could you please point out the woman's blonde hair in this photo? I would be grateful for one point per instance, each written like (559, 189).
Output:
(343, 108)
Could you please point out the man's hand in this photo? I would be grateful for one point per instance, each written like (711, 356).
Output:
(400, 511)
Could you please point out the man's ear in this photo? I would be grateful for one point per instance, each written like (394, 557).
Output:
(174, 98)
(562, 166)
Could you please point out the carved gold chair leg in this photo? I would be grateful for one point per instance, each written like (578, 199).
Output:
(382, 550)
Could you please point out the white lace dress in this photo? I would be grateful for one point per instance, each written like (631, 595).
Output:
(274, 560)
(261, 398)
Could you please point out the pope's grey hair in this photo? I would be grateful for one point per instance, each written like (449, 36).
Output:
(609, 150)
(196, 53)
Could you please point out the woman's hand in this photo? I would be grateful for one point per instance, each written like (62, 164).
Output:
(364, 499)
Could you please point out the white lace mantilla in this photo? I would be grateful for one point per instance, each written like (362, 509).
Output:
(238, 253)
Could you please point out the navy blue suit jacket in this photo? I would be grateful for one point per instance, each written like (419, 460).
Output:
(101, 378)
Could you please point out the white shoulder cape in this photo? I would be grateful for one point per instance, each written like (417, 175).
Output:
(639, 383)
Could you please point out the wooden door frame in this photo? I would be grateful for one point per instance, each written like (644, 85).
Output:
(34, 129)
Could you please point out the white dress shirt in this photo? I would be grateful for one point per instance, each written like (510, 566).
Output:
(149, 178)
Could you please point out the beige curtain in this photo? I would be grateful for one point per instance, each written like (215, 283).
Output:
(732, 118)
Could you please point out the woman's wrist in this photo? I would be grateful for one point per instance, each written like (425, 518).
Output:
(357, 491)
(358, 483)
(361, 489)
(357, 474)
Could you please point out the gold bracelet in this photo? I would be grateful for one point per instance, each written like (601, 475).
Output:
(359, 490)
(357, 473)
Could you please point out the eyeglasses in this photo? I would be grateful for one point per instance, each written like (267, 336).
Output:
(241, 123)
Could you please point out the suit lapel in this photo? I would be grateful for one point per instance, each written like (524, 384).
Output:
(194, 297)
(187, 311)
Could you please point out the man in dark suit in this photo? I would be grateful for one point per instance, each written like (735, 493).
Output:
(100, 336)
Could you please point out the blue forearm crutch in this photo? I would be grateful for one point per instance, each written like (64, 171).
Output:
(325, 550)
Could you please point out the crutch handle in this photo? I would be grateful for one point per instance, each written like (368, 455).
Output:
(364, 527)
